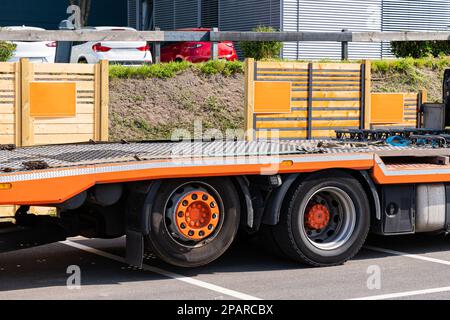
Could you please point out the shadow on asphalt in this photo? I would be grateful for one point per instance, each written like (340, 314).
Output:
(249, 255)
(46, 266)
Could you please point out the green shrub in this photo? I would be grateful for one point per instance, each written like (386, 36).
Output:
(161, 70)
(420, 49)
(212, 67)
(171, 69)
(410, 65)
(382, 66)
(261, 49)
(221, 67)
(6, 50)
(234, 67)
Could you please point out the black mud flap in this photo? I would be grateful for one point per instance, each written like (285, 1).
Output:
(138, 210)
(134, 248)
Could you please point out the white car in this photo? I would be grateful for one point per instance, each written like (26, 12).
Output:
(117, 52)
(35, 51)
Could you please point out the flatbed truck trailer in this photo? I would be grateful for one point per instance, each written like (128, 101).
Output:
(312, 201)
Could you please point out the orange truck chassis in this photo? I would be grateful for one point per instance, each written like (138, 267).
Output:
(315, 201)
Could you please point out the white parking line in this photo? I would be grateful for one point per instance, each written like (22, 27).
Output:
(195, 282)
(407, 255)
(404, 294)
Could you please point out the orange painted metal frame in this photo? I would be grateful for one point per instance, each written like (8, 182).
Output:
(380, 177)
(57, 190)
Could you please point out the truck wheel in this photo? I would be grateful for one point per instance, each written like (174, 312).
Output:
(194, 222)
(325, 220)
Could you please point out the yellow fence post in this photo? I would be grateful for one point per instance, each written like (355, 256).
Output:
(26, 123)
(97, 101)
(367, 94)
(17, 105)
(423, 94)
(104, 100)
(101, 116)
(249, 98)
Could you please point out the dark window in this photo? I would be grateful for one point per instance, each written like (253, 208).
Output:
(78, 43)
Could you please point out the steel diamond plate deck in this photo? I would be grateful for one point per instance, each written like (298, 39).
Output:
(86, 154)
(72, 155)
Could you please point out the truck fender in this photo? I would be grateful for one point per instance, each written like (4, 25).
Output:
(373, 193)
(246, 199)
(272, 211)
(273, 208)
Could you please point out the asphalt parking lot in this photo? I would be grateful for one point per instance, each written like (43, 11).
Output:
(408, 267)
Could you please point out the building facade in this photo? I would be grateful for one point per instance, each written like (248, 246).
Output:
(49, 13)
(298, 15)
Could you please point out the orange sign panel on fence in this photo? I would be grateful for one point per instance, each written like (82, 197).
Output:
(272, 97)
(53, 99)
(387, 108)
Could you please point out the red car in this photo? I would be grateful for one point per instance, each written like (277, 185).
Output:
(195, 51)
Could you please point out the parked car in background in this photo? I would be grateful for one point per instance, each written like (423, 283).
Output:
(195, 51)
(117, 52)
(35, 51)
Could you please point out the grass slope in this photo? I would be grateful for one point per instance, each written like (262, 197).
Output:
(149, 102)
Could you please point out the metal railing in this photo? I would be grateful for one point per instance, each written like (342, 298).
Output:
(214, 36)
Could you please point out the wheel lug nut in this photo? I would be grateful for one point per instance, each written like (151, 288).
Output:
(191, 233)
(201, 233)
(182, 226)
(204, 197)
(214, 216)
(180, 214)
(212, 205)
(194, 197)
(184, 203)
(210, 227)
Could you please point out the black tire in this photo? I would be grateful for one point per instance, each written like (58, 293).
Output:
(291, 236)
(269, 243)
(163, 245)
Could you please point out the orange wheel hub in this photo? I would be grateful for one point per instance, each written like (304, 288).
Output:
(197, 215)
(317, 217)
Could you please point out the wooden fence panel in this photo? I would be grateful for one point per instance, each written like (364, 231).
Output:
(19, 127)
(324, 97)
(9, 113)
(411, 105)
(8, 102)
(91, 95)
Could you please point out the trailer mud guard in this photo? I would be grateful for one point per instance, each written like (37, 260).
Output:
(374, 193)
(273, 208)
(248, 205)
